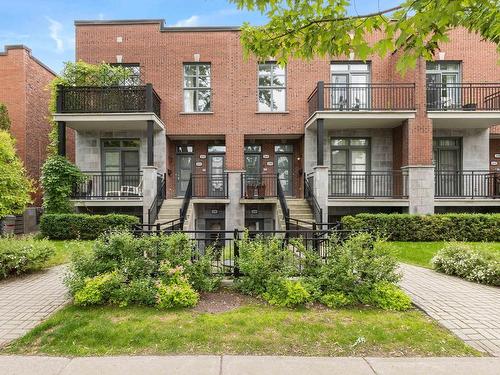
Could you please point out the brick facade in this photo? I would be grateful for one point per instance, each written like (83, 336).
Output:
(24, 89)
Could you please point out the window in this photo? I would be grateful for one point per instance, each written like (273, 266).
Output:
(272, 88)
(216, 149)
(350, 80)
(134, 78)
(443, 84)
(197, 88)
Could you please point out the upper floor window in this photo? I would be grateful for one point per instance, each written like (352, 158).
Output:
(272, 87)
(197, 88)
(443, 85)
(134, 78)
(350, 80)
(443, 72)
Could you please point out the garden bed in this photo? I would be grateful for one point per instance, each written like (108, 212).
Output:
(240, 325)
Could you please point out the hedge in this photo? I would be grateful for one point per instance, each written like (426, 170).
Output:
(82, 226)
(439, 227)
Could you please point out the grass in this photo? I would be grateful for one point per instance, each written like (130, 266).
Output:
(421, 253)
(251, 329)
(63, 252)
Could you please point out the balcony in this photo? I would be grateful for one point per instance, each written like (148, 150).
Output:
(362, 97)
(109, 99)
(467, 184)
(109, 186)
(369, 184)
(209, 186)
(463, 97)
(258, 186)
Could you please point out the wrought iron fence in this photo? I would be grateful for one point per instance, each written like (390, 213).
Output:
(311, 198)
(258, 185)
(209, 185)
(368, 184)
(467, 184)
(108, 99)
(362, 97)
(158, 201)
(463, 96)
(109, 185)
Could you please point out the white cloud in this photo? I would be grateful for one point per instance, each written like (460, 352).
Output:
(188, 22)
(55, 28)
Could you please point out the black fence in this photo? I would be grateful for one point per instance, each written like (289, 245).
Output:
(467, 184)
(209, 185)
(368, 184)
(463, 97)
(311, 198)
(109, 185)
(362, 97)
(260, 185)
(108, 99)
(224, 245)
(161, 189)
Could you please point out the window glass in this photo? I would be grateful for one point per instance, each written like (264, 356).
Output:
(111, 143)
(340, 142)
(134, 78)
(131, 143)
(216, 149)
(184, 149)
(283, 148)
(359, 142)
(197, 88)
(272, 88)
(253, 148)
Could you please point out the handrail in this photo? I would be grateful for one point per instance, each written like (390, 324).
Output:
(185, 202)
(155, 207)
(282, 200)
(462, 96)
(311, 199)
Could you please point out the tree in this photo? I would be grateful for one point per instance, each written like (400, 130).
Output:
(4, 118)
(308, 28)
(15, 187)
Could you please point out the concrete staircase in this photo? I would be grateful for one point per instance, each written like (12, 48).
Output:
(299, 209)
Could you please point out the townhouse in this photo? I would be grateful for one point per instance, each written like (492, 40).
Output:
(24, 82)
(203, 137)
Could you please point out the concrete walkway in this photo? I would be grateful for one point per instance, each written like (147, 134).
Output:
(27, 300)
(469, 310)
(245, 365)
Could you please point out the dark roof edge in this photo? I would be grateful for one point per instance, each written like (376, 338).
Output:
(28, 50)
(161, 22)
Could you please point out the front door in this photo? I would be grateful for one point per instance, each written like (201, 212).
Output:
(121, 165)
(284, 167)
(252, 169)
(446, 153)
(216, 181)
(349, 165)
(184, 170)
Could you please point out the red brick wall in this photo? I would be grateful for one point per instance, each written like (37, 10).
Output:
(234, 82)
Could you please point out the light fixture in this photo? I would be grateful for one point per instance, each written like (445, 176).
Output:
(119, 58)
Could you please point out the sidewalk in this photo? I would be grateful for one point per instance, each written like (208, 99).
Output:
(245, 365)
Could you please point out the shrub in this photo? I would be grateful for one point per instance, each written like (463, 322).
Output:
(261, 259)
(98, 289)
(82, 226)
(463, 261)
(153, 270)
(20, 255)
(388, 296)
(174, 289)
(286, 293)
(440, 227)
(337, 299)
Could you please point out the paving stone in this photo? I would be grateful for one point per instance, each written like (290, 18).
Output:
(28, 300)
(470, 310)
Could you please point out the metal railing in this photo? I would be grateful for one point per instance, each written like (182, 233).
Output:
(209, 185)
(158, 201)
(311, 199)
(109, 185)
(466, 184)
(463, 97)
(282, 200)
(108, 99)
(258, 185)
(185, 202)
(368, 184)
(362, 97)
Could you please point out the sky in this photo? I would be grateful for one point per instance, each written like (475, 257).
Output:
(46, 26)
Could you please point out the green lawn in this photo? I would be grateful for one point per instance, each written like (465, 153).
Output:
(64, 250)
(250, 329)
(421, 253)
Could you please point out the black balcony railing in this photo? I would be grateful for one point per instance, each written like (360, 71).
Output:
(362, 97)
(109, 185)
(467, 184)
(209, 185)
(260, 185)
(108, 99)
(463, 97)
(369, 184)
